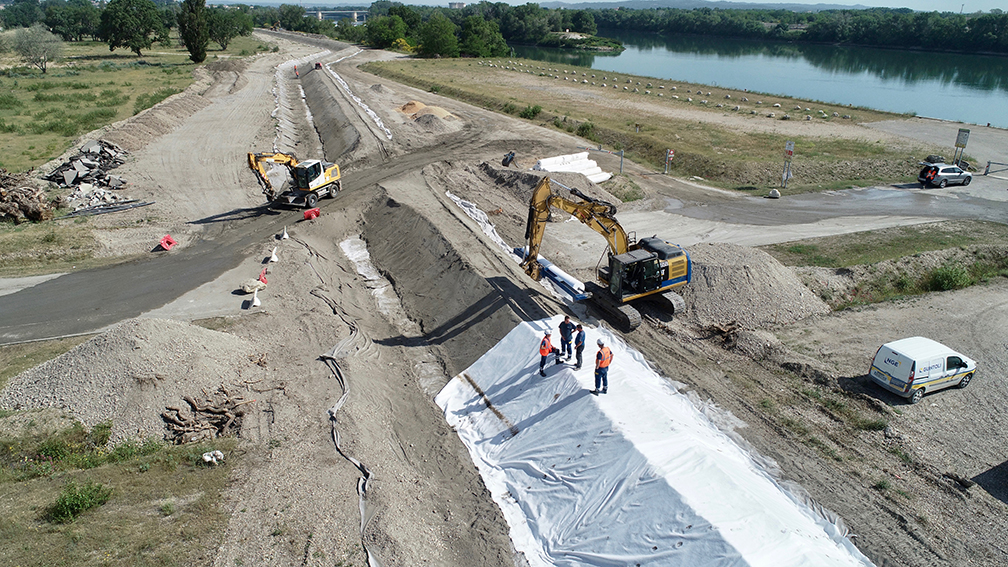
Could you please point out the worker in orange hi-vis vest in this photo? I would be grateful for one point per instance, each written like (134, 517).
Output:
(602, 361)
(545, 348)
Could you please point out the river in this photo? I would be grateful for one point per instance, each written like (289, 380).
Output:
(963, 88)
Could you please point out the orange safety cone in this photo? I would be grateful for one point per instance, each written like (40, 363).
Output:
(262, 275)
(312, 213)
(167, 242)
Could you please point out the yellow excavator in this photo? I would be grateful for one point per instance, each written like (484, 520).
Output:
(648, 268)
(311, 179)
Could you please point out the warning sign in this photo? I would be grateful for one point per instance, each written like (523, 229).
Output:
(788, 150)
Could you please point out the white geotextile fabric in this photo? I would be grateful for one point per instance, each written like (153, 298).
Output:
(576, 163)
(635, 476)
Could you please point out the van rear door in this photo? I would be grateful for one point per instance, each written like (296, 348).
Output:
(892, 368)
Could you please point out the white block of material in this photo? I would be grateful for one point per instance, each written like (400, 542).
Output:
(575, 163)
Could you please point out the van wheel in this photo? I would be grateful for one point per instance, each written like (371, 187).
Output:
(965, 381)
(917, 395)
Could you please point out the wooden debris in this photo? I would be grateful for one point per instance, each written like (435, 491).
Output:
(20, 201)
(217, 415)
(727, 332)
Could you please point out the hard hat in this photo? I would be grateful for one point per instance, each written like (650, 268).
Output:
(548, 331)
(600, 342)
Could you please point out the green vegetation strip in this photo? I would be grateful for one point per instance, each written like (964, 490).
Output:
(618, 119)
(70, 498)
(984, 246)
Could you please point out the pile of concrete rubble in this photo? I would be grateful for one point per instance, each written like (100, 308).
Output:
(91, 166)
(88, 174)
(20, 200)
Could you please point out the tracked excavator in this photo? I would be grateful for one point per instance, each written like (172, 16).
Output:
(634, 270)
(310, 179)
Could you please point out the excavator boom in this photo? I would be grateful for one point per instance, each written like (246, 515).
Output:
(597, 214)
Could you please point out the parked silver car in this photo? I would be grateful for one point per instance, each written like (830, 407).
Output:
(942, 174)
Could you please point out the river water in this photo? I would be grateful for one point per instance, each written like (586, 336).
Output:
(964, 88)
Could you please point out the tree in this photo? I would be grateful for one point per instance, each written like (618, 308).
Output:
(291, 17)
(582, 21)
(23, 13)
(437, 38)
(382, 32)
(37, 46)
(481, 38)
(194, 29)
(224, 25)
(133, 24)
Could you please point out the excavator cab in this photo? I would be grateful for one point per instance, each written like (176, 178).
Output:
(306, 172)
(634, 272)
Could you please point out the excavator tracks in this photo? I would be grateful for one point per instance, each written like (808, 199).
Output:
(622, 314)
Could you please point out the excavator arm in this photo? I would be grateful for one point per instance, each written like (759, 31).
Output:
(597, 214)
(256, 161)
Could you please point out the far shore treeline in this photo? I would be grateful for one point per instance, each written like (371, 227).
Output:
(485, 29)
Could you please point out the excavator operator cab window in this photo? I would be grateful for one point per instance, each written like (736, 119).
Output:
(307, 172)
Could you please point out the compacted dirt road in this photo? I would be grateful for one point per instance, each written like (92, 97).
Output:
(393, 290)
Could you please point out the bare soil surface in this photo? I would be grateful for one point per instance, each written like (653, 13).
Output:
(791, 378)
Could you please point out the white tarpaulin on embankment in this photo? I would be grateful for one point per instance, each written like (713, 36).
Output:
(635, 476)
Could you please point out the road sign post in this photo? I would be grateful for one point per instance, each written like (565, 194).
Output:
(960, 145)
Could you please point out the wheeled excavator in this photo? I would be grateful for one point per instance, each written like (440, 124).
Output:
(312, 179)
(635, 269)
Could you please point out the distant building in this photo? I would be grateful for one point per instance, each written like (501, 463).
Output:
(456, 5)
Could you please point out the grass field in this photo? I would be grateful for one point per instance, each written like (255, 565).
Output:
(68, 497)
(720, 155)
(42, 114)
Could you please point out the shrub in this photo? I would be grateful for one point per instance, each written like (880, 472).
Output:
(948, 277)
(585, 129)
(510, 108)
(531, 112)
(76, 499)
(9, 101)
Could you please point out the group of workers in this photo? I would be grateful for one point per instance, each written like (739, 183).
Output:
(567, 336)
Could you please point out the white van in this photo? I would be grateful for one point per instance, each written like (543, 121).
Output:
(911, 367)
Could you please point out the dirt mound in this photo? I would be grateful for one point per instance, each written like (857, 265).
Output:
(435, 110)
(734, 283)
(412, 107)
(378, 88)
(431, 123)
(130, 373)
(459, 311)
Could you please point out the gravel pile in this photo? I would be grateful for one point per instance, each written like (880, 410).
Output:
(131, 373)
(734, 283)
